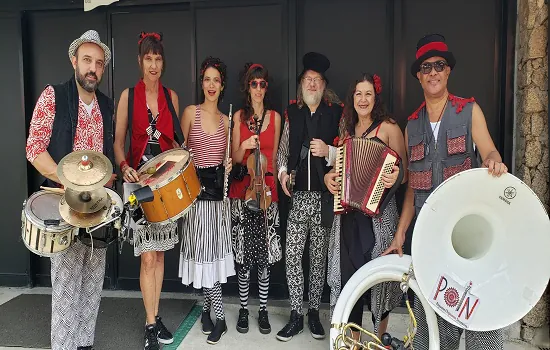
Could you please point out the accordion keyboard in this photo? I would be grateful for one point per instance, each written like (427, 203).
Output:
(338, 167)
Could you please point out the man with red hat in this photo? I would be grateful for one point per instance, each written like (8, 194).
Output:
(441, 139)
(311, 125)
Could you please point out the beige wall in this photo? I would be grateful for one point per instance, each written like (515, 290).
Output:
(532, 124)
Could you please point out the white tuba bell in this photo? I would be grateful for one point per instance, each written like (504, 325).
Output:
(479, 258)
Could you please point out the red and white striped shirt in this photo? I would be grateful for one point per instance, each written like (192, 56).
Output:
(89, 129)
(208, 150)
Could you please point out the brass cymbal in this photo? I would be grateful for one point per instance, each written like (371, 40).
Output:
(82, 220)
(87, 201)
(84, 170)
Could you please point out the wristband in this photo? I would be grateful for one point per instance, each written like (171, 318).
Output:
(123, 163)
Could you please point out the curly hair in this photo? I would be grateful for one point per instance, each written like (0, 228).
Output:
(246, 76)
(379, 112)
(151, 43)
(218, 64)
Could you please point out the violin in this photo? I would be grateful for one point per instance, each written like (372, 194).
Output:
(258, 194)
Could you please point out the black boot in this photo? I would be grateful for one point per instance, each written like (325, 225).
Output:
(207, 325)
(165, 337)
(294, 326)
(263, 322)
(315, 325)
(219, 329)
(151, 340)
(242, 322)
(85, 348)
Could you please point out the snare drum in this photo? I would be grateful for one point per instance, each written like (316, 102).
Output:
(103, 236)
(174, 181)
(43, 230)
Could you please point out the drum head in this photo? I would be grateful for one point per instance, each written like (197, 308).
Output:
(159, 170)
(492, 232)
(42, 208)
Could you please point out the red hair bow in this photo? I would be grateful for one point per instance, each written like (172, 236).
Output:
(377, 84)
(144, 35)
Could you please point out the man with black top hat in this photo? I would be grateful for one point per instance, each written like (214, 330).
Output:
(311, 125)
(441, 140)
(69, 117)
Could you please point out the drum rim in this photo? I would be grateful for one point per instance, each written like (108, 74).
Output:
(30, 216)
(171, 178)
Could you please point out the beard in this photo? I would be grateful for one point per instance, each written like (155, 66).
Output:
(86, 84)
(312, 98)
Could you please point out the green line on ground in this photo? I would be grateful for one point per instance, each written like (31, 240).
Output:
(184, 327)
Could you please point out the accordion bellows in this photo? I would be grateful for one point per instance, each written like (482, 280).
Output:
(360, 163)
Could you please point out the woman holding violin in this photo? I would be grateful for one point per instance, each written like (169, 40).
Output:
(253, 192)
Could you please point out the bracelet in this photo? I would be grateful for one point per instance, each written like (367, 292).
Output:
(122, 164)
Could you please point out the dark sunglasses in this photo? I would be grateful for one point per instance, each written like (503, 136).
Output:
(254, 84)
(426, 67)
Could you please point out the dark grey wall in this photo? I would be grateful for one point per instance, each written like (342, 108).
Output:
(378, 36)
(14, 257)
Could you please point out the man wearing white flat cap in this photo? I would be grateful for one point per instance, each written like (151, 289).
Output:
(68, 117)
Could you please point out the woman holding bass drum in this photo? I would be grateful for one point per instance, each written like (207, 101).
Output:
(151, 111)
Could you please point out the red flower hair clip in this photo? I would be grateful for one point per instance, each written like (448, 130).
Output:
(336, 140)
(377, 84)
(144, 35)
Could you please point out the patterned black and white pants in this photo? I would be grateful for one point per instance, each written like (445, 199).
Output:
(305, 218)
(449, 334)
(77, 280)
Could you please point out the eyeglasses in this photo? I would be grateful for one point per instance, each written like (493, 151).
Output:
(310, 80)
(439, 66)
(254, 84)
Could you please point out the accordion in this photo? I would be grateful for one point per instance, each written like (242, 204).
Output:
(360, 163)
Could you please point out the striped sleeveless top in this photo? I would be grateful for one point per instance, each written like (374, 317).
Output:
(208, 150)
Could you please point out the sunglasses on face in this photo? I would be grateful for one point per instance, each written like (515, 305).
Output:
(426, 67)
(254, 84)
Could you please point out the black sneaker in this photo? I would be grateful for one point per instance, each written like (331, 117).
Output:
(85, 348)
(263, 322)
(219, 329)
(151, 340)
(165, 337)
(242, 322)
(294, 326)
(207, 325)
(315, 326)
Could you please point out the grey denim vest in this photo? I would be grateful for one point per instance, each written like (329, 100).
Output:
(432, 163)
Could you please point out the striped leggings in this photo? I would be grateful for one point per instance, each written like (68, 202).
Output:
(244, 286)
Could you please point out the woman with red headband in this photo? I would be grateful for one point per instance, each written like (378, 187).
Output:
(256, 241)
(356, 238)
(206, 257)
(151, 110)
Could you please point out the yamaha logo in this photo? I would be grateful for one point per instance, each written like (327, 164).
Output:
(509, 194)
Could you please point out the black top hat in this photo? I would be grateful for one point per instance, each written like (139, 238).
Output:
(432, 45)
(316, 62)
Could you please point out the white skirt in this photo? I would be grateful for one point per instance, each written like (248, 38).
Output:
(206, 254)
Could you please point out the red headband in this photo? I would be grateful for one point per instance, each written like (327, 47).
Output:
(255, 65)
(436, 45)
(144, 35)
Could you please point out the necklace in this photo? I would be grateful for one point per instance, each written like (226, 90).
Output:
(433, 138)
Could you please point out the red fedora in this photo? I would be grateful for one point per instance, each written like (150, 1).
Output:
(432, 45)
